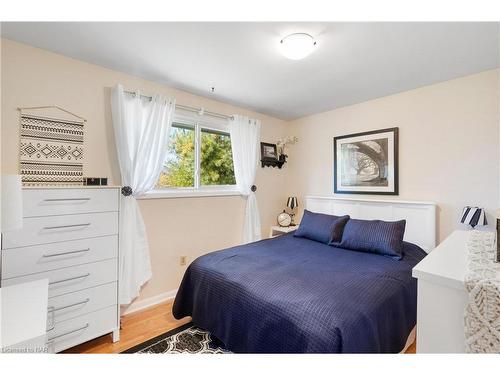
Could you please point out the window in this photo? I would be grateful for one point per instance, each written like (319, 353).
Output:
(179, 168)
(216, 158)
(199, 157)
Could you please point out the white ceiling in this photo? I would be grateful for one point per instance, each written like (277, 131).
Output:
(353, 62)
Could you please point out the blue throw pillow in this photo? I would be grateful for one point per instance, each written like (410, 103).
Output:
(374, 236)
(321, 227)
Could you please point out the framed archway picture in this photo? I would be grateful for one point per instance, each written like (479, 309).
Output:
(366, 163)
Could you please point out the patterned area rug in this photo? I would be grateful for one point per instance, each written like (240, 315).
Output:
(185, 339)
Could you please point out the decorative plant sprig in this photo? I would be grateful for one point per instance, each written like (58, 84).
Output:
(284, 142)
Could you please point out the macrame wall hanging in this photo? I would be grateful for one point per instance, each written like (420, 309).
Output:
(51, 148)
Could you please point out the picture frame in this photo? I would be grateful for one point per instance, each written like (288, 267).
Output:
(268, 151)
(367, 163)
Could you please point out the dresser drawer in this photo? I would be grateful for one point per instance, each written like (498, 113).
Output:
(72, 305)
(28, 260)
(44, 202)
(83, 328)
(72, 279)
(40, 230)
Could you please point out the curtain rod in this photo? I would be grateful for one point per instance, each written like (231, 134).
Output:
(199, 111)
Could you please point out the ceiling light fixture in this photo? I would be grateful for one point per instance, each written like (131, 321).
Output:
(297, 46)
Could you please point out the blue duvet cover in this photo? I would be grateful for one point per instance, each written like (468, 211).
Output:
(294, 295)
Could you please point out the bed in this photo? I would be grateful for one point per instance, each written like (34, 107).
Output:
(295, 295)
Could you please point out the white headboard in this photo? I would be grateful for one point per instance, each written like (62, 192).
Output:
(420, 216)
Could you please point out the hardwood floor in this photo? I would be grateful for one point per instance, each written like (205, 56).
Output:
(141, 326)
(412, 349)
(136, 328)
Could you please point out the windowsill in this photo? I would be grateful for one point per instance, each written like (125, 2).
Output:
(188, 193)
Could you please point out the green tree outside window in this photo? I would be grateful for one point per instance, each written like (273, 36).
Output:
(216, 161)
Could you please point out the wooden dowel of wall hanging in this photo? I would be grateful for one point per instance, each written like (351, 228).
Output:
(52, 106)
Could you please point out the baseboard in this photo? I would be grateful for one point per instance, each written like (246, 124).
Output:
(148, 302)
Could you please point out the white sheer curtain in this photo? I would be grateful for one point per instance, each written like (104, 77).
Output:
(142, 129)
(245, 136)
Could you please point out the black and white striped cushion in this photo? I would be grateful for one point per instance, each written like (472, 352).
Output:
(473, 216)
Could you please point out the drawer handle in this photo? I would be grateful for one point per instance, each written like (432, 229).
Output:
(68, 333)
(52, 319)
(69, 279)
(65, 199)
(67, 226)
(52, 309)
(65, 253)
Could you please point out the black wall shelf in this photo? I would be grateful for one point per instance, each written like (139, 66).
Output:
(273, 162)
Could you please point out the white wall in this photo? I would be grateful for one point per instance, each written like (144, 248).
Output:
(448, 144)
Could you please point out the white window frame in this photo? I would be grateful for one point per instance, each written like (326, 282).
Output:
(198, 123)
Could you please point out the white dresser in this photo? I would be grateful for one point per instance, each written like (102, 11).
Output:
(442, 297)
(69, 236)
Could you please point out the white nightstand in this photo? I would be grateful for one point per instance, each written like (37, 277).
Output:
(440, 325)
(276, 230)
